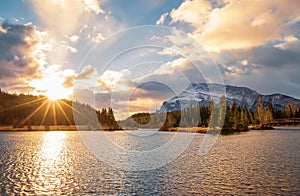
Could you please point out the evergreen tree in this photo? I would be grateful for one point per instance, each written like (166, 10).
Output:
(235, 116)
(228, 122)
(243, 121)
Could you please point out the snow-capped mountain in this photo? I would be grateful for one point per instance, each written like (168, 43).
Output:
(203, 93)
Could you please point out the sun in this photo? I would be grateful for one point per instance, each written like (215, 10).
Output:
(55, 90)
(52, 87)
(56, 93)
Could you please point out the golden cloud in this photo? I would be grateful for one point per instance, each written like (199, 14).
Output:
(22, 55)
(238, 24)
(64, 16)
(110, 78)
(194, 12)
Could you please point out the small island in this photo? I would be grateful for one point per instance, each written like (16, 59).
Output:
(217, 116)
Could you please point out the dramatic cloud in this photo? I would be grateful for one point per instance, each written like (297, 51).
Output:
(267, 69)
(268, 80)
(21, 54)
(255, 43)
(63, 16)
(265, 56)
(250, 40)
(195, 12)
(74, 26)
(238, 24)
(152, 90)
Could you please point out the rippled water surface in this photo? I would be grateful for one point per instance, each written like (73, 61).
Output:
(53, 163)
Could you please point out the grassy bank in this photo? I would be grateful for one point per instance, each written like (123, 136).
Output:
(44, 128)
(86, 127)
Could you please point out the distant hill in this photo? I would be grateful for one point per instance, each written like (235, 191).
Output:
(199, 93)
(21, 110)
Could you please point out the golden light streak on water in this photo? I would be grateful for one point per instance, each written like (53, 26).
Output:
(50, 165)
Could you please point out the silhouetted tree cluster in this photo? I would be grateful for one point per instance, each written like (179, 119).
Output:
(172, 120)
(107, 120)
(236, 118)
(144, 120)
(141, 118)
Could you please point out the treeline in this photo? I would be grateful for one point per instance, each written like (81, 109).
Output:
(26, 110)
(144, 120)
(107, 120)
(220, 115)
(21, 110)
(290, 111)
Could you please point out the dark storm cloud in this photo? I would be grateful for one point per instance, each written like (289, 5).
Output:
(274, 57)
(155, 88)
(17, 52)
(266, 55)
(267, 69)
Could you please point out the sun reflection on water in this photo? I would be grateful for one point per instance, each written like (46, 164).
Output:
(53, 143)
(50, 166)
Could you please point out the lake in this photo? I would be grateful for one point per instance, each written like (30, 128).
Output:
(264, 162)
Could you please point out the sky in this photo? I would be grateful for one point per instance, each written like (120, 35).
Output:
(133, 55)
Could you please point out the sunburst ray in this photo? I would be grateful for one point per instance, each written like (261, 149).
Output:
(63, 112)
(54, 112)
(72, 108)
(46, 112)
(24, 104)
(33, 113)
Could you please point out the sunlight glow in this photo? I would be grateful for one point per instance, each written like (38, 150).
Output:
(52, 87)
(56, 92)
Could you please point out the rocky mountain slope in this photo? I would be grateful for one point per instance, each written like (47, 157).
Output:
(203, 93)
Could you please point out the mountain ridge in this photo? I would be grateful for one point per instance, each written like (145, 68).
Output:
(202, 93)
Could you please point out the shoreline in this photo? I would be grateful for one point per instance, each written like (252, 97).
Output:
(36, 128)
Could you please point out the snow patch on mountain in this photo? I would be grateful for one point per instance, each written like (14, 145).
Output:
(202, 93)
